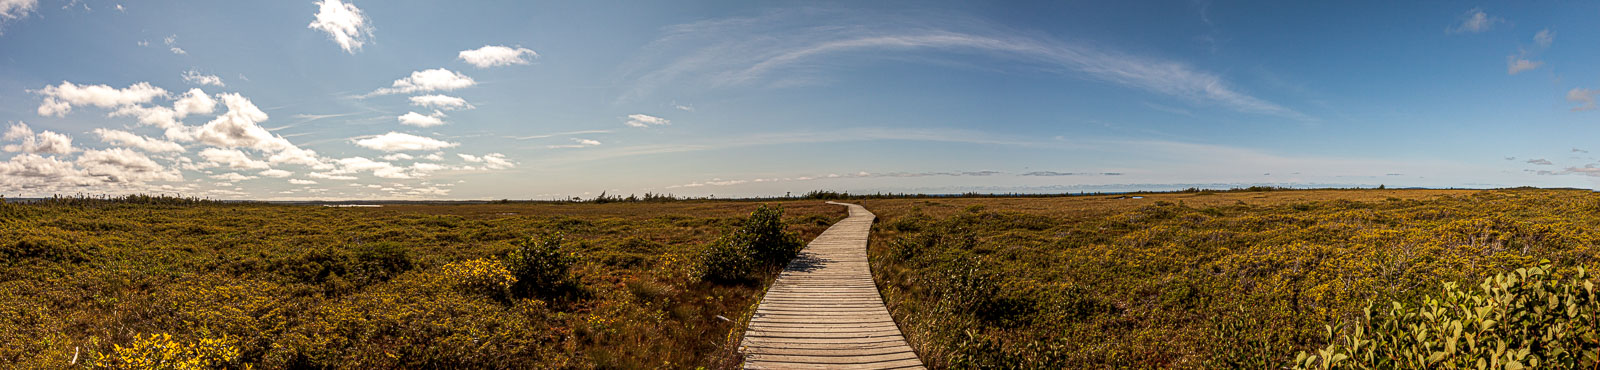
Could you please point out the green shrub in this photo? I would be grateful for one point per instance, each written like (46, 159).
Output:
(760, 242)
(539, 265)
(725, 260)
(1529, 318)
(383, 260)
(766, 238)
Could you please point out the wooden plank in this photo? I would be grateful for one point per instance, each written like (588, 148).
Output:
(824, 310)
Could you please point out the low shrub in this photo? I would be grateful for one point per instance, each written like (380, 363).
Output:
(1530, 318)
(162, 351)
(540, 266)
(760, 243)
(480, 276)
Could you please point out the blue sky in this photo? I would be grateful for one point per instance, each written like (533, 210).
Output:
(489, 100)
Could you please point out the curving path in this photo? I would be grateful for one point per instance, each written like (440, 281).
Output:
(824, 310)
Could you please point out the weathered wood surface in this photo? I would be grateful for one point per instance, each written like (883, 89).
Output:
(824, 310)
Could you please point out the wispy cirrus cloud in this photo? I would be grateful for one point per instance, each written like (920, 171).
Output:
(785, 48)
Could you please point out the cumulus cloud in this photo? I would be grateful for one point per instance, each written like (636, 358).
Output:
(194, 102)
(344, 23)
(197, 78)
(1515, 65)
(421, 120)
(29, 171)
(362, 164)
(493, 161)
(395, 142)
(118, 165)
(276, 173)
(232, 177)
(13, 9)
(302, 182)
(428, 80)
(493, 56)
(1474, 21)
(397, 157)
(231, 158)
(330, 176)
(59, 99)
(444, 102)
(45, 142)
(1584, 98)
(497, 161)
(145, 143)
(1541, 162)
(645, 120)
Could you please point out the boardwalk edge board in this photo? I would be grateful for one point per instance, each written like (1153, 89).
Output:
(824, 311)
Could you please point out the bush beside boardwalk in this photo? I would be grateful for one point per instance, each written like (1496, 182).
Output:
(1216, 280)
(133, 282)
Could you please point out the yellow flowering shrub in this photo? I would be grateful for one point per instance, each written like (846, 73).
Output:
(482, 276)
(151, 282)
(161, 351)
(1210, 279)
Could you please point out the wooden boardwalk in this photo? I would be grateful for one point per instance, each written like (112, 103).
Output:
(824, 310)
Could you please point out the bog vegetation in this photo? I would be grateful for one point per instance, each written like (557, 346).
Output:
(1253, 278)
(150, 282)
(1308, 279)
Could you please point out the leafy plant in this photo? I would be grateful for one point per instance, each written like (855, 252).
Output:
(760, 243)
(540, 266)
(1529, 318)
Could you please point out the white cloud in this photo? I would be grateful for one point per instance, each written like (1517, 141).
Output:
(344, 23)
(302, 182)
(44, 142)
(397, 157)
(492, 56)
(13, 9)
(395, 142)
(1584, 98)
(172, 44)
(118, 165)
(145, 143)
(238, 127)
(420, 120)
(775, 50)
(1544, 38)
(194, 102)
(231, 158)
(380, 169)
(195, 77)
(493, 161)
(684, 108)
(232, 177)
(276, 173)
(497, 161)
(1515, 65)
(59, 99)
(644, 120)
(578, 143)
(328, 176)
(436, 156)
(31, 171)
(428, 80)
(1475, 21)
(445, 102)
(158, 116)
